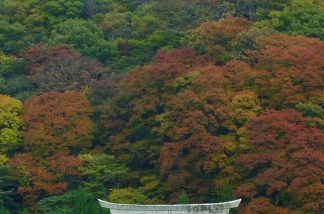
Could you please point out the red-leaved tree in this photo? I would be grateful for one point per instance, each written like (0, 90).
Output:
(284, 164)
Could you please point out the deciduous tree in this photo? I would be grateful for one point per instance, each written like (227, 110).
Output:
(291, 69)
(42, 178)
(56, 128)
(100, 173)
(57, 122)
(10, 123)
(301, 17)
(74, 201)
(216, 38)
(285, 162)
(84, 36)
(59, 68)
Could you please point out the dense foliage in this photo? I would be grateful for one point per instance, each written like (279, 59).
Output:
(157, 102)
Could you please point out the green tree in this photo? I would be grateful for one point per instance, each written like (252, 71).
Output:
(154, 189)
(226, 193)
(13, 36)
(301, 17)
(267, 7)
(313, 113)
(59, 10)
(115, 24)
(94, 7)
(13, 79)
(127, 196)
(183, 199)
(137, 35)
(75, 201)
(38, 17)
(9, 198)
(101, 172)
(84, 36)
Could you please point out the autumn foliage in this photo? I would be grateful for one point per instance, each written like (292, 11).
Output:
(286, 161)
(57, 122)
(56, 127)
(50, 176)
(217, 39)
(212, 126)
(293, 68)
(59, 68)
(158, 102)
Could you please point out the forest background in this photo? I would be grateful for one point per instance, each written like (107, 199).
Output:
(158, 102)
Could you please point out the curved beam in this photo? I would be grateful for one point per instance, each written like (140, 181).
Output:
(177, 208)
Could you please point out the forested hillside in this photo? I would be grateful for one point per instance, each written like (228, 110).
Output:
(161, 102)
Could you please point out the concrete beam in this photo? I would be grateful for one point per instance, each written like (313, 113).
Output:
(211, 208)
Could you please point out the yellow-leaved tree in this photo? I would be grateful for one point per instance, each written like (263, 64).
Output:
(10, 110)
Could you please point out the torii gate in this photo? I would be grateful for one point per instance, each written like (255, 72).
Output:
(212, 208)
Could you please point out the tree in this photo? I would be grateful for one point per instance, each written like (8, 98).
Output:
(226, 193)
(290, 73)
(85, 37)
(13, 80)
(95, 7)
(59, 68)
(10, 110)
(300, 18)
(42, 178)
(281, 72)
(30, 22)
(13, 36)
(154, 189)
(56, 128)
(313, 113)
(9, 198)
(57, 123)
(184, 111)
(183, 199)
(249, 8)
(116, 24)
(100, 173)
(199, 115)
(137, 36)
(263, 205)
(152, 79)
(268, 7)
(74, 201)
(245, 105)
(127, 196)
(168, 125)
(56, 12)
(137, 122)
(216, 38)
(101, 91)
(283, 164)
(250, 39)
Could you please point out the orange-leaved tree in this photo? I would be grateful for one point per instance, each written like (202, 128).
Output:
(56, 128)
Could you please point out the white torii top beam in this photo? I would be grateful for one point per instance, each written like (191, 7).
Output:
(212, 208)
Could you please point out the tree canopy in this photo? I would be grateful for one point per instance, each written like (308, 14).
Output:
(161, 102)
